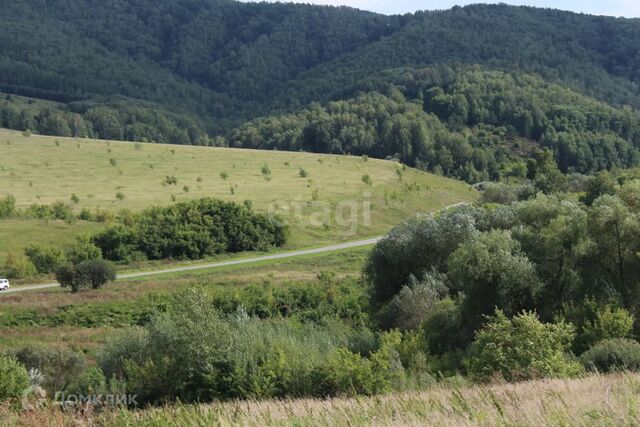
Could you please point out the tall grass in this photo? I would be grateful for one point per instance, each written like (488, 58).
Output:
(597, 400)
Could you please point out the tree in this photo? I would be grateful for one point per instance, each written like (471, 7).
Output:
(415, 248)
(521, 348)
(613, 267)
(491, 271)
(92, 273)
(17, 267)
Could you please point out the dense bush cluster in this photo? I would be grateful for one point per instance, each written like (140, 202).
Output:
(193, 229)
(570, 263)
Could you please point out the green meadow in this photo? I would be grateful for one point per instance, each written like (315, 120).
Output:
(323, 198)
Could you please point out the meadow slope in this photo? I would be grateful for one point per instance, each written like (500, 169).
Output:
(324, 198)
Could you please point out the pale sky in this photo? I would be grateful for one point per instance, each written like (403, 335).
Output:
(627, 8)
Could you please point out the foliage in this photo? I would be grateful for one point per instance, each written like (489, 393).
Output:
(596, 322)
(193, 352)
(193, 230)
(58, 365)
(414, 302)
(416, 247)
(18, 267)
(92, 273)
(14, 378)
(522, 348)
(491, 271)
(613, 354)
(7, 206)
(45, 260)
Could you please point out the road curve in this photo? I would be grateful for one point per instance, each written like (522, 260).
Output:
(272, 257)
(282, 255)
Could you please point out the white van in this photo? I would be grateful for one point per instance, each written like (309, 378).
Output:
(4, 284)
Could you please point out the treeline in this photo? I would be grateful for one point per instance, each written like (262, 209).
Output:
(468, 123)
(122, 120)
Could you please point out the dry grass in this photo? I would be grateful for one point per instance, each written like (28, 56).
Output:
(612, 400)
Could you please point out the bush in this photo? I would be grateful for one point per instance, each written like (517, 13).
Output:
(191, 230)
(498, 193)
(195, 353)
(14, 378)
(522, 348)
(595, 322)
(612, 355)
(7, 206)
(83, 250)
(59, 365)
(92, 273)
(91, 381)
(45, 260)
(18, 267)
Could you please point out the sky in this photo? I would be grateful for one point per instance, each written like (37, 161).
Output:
(626, 8)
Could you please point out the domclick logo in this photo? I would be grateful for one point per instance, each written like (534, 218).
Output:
(71, 399)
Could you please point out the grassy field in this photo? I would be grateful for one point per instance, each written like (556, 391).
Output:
(331, 203)
(611, 400)
(118, 299)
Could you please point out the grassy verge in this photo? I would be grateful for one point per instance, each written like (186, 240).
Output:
(596, 400)
(41, 316)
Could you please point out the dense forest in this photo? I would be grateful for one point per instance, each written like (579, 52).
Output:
(469, 92)
(469, 123)
(224, 62)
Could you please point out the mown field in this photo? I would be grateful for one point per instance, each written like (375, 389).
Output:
(324, 198)
(596, 400)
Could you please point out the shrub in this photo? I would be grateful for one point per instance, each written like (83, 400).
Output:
(265, 170)
(522, 348)
(498, 193)
(366, 179)
(91, 381)
(302, 173)
(7, 206)
(58, 365)
(83, 250)
(120, 195)
(45, 260)
(595, 322)
(18, 267)
(191, 230)
(613, 354)
(14, 378)
(195, 353)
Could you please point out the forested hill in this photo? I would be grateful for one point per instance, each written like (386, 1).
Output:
(186, 71)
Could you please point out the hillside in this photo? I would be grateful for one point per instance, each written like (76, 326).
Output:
(323, 197)
(220, 62)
